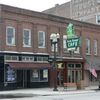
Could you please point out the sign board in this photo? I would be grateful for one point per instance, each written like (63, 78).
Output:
(73, 43)
(70, 30)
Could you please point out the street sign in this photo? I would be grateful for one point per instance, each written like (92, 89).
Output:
(73, 43)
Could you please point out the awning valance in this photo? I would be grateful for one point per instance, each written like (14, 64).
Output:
(28, 65)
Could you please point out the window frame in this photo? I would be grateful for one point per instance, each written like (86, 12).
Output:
(88, 46)
(97, 19)
(95, 47)
(13, 43)
(29, 41)
(52, 47)
(43, 41)
(28, 58)
(77, 50)
(11, 58)
(38, 77)
(64, 42)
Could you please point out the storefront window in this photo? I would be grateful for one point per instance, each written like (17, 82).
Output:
(35, 75)
(10, 74)
(44, 75)
(39, 75)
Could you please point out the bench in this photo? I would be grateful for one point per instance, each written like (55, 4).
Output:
(69, 85)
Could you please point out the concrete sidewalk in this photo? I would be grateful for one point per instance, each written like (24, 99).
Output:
(49, 91)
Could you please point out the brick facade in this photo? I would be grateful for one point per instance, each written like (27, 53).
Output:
(36, 21)
(82, 10)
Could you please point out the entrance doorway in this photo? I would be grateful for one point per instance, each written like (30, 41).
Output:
(74, 73)
(23, 78)
(60, 77)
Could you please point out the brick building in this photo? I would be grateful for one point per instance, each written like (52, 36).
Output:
(26, 52)
(62, 10)
(86, 10)
(83, 10)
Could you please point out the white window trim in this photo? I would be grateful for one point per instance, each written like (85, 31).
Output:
(64, 40)
(13, 34)
(77, 51)
(52, 47)
(89, 50)
(11, 56)
(43, 39)
(95, 53)
(97, 19)
(24, 45)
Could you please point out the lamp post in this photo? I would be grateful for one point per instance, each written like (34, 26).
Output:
(54, 37)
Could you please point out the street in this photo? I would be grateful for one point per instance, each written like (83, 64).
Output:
(80, 96)
(85, 96)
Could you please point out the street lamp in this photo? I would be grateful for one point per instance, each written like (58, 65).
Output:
(54, 37)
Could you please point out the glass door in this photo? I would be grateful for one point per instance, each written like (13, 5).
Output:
(74, 74)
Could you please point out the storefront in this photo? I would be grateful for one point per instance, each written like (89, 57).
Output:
(23, 74)
(71, 71)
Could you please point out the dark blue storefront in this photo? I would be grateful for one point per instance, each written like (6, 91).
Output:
(23, 74)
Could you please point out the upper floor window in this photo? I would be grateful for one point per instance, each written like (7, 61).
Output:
(56, 47)
(26, 37)
(64, 42)
(41, 39)
(98, 19)
(95, 47)
(10, 35)
(77, 50)
(87, 46)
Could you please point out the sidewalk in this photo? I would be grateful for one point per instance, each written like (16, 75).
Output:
(49, 91)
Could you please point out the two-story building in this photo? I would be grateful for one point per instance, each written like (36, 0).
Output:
(26, 53)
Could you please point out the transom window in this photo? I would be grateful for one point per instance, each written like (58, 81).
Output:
(40, 58)
(26, 37)
(74, 66)
(11, 57)
(27, 58)
(41, 39)
(10, 35)
(34, 58)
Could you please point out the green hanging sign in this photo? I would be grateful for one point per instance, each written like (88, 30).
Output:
(73, 43)
(70, 30)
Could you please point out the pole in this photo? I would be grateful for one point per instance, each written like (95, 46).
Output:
(55, 69)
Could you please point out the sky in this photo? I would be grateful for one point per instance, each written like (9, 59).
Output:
(35, 5)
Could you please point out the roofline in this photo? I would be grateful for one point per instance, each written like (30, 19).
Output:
(55, 18)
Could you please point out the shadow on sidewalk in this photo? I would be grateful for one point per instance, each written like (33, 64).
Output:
(17, 95)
